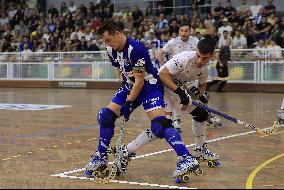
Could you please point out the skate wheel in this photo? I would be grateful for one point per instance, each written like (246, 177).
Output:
(178, 180)
(185, 178)
(198, 171)
(217, 164)
(88, 173)
(211, 164)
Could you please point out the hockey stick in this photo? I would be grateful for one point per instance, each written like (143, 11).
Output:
(116, 163)
(258, 130)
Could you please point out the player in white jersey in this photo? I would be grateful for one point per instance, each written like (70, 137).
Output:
(175, 73)
(184, 42)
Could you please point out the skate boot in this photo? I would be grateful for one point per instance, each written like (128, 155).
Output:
(281, 117)
(185, 166)
(177, 125)
(214, 121)
(124, 158)
(204, 155)
(97, 167)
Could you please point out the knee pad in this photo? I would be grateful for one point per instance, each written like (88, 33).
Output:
(106, 117)
(199, 114)
(159, 124)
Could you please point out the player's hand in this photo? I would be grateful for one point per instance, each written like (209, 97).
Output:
(204, 98)
(185, 98)
(194, 92)
(126, 109)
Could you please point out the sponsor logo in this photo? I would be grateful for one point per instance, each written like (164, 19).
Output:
(29, 107)
(64, 84)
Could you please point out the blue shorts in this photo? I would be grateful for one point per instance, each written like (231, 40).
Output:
(151, 97)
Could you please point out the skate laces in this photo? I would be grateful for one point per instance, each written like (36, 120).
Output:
(207, 151)
(97, 158)
(185, 162)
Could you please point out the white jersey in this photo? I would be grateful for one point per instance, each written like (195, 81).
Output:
(176, 45)
(183, 69)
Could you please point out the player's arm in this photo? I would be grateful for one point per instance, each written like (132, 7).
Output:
(138, 57)
(118, 74)
(202, 87)
(173, 67)
(166, 78)
(138, 84)
(161, 56)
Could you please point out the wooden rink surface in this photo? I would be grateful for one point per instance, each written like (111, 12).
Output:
(48, 148)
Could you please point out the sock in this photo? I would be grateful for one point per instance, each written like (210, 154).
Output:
(144, 138)
(199, 130)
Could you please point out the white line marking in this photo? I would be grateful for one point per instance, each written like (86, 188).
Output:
(65, 174)
(126, 182)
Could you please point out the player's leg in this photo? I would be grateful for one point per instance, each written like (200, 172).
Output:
(147, 136)
(199, 131)
(162, 128)
(106, 119)
(176, 118)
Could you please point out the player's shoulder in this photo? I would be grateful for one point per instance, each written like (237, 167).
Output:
(186, 54)
(193, 39)
(174, 40)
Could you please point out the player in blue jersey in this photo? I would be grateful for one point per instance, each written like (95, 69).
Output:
(141, 86)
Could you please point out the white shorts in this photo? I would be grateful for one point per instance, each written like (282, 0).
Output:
(173, 102)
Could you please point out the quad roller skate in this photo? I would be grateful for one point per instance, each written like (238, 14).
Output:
(214, 121)
(177, 125)
(203, 154)
(97, 167)
(124, 158)
(185, 166)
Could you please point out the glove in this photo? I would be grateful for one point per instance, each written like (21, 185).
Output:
(194, 92)
(126, 109)
(183, 95)
(204, 98)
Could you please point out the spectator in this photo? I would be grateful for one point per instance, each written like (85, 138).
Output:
(160, 10)
(226, 27)
(255, 8)
(129, 25)
(174, 28)
(137, 17)
(261, 30)
(149, 12)
(161, 25)
(53, 11)
(223, 57)
(92, 46)
(63, 8)
(260, 49)
(83, 44)
(243, 10)
(224, 38)
(126, 12)
(77, 32)
(26, 41)
(26, 53)
(200, 29)
(229, 9)
(74, 43)
(72, 8)
(218, 10)
(274, 50)
(270, 8)
(239, 41)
